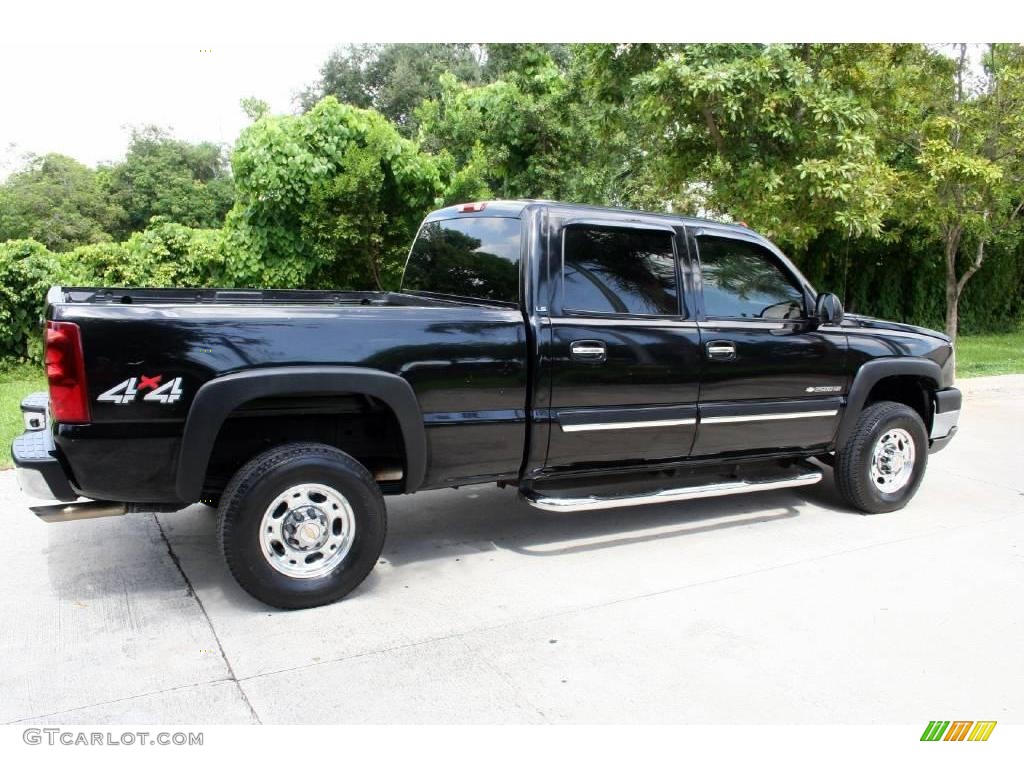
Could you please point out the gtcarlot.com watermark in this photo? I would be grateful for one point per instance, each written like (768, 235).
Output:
(72, 738)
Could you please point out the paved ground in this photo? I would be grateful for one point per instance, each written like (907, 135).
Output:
(776, 607)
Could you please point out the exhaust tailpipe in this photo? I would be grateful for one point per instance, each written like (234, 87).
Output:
(79, 510)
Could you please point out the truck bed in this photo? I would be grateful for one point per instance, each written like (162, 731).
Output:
(466, 362)
(179, 296)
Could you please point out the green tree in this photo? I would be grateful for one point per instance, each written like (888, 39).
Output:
(524, 135)
(329, 198)
(964, 179)
(161, 176)
(254, 108)
(392, 79)
(502, 61)
(58, 202)
(781, 136)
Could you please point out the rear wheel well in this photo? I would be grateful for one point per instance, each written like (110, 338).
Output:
(362, 426)
(913, 391)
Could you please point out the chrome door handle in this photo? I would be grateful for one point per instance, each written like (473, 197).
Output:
(588, 350)
(720, 350)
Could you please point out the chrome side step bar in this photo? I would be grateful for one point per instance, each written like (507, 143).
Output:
(791, 477)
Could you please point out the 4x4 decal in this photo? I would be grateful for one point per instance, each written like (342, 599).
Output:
(127, 390)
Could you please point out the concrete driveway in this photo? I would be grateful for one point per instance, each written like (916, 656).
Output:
(779, 607)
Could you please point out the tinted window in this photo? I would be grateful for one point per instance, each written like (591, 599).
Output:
(743, 279)
(476, 257)
(625, 271)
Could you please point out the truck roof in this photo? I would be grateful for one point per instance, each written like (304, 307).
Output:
(514, 209)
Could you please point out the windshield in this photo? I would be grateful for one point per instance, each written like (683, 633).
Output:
(476, 257)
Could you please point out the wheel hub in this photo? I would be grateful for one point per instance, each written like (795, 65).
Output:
(892, 460)
(305, 528)
(307, 531)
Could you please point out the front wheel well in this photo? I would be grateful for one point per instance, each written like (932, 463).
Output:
(362, 426)
(913, 391)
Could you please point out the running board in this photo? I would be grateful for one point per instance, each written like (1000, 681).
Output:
(789, 477)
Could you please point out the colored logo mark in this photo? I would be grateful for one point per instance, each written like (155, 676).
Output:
(958, 730)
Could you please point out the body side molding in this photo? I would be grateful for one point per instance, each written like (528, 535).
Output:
(219, 397)
(873, 371)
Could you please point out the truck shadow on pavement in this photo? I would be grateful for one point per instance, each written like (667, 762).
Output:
(439, 525)
(492, 519)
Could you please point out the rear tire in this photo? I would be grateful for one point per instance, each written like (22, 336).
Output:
(301, 525)
(881, 466)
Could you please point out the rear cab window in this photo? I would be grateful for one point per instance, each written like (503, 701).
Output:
(473, 257)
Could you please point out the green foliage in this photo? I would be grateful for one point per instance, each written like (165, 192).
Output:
(525, 135)
(27, 270)
(331, 197)
(964, 185)
(780, 136)
(254, 108)
(504, 61)
(58, 202)
(889, 172)
(868, 144)
(160, 176)
(392, 79)
(165, 255)
(63, 204)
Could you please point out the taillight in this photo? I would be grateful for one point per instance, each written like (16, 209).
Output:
(65, 372)
(471, 207)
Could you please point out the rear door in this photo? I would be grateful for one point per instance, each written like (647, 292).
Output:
(771, 381)
(622, 350)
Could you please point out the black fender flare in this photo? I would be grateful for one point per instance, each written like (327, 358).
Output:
(219, 397)
(873, 372)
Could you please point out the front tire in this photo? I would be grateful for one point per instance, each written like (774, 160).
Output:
(301, 525)
(882, 464)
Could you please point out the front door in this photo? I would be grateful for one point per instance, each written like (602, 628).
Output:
(771, 381)
(624, 356)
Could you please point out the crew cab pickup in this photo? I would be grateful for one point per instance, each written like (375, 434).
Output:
(591, 357)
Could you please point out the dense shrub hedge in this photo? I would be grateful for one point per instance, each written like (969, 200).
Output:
(164, 255)
(27, 270)
(905, 280)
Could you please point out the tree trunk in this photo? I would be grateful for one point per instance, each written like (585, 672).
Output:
(955, 286)
(951, 242)
(952, 311)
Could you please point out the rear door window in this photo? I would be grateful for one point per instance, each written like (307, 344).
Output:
(618, 270)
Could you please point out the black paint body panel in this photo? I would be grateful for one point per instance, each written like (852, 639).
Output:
(495, 389)
(466, 364)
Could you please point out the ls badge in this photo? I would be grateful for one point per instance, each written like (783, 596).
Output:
(125, 392)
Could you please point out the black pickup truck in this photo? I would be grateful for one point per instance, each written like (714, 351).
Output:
(592, 357)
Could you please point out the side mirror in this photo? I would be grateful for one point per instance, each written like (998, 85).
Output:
(828, 309)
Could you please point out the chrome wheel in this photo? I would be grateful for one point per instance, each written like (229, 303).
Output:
(892, 460)
(307, 531)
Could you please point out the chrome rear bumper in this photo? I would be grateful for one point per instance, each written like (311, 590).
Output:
(40, 473)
